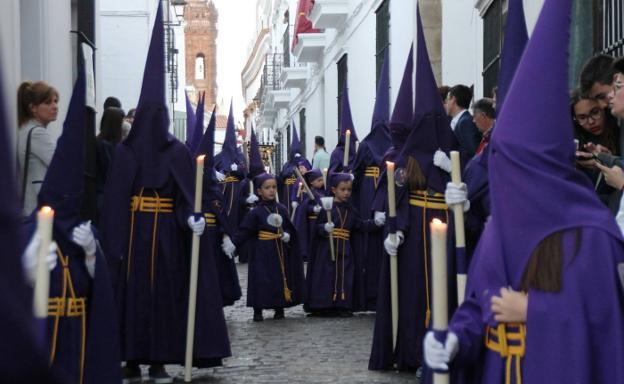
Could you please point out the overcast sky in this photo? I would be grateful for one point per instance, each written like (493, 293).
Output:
(236, 29)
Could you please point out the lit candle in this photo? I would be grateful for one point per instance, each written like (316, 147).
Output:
(190, 324)
(439, 283)
(45, 219)
(345, 160)
(460, 237)
(394, 265)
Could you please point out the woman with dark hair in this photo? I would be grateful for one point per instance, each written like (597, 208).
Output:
(596, 131)
(110, 135)
(37, 106)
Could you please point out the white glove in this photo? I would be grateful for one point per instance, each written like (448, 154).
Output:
(328, 227)
(441, 160)
(438, 356)
(83, 236)
(457, 194)
(29, 258)
(317, 208)
(285, 237)
(233, 167)
(197, 226)
(228, 247)
(251, 199)
(380, 218)
(220, 176)
(391, 245)
(294, 205)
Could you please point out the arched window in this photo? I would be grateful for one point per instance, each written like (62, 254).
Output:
(200, 67)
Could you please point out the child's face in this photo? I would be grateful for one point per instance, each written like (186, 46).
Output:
(342, 192)
(267, 190)
(317, 183)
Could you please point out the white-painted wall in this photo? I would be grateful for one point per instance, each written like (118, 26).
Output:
(10, 63)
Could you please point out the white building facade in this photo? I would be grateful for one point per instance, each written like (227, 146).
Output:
(353, 37)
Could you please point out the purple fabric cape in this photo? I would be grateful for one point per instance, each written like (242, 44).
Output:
(190, 120)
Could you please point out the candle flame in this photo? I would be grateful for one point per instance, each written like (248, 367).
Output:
(437, 222)
(47, 210)
(201, 158)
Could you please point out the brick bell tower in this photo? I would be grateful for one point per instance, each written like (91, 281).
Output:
(200, 39)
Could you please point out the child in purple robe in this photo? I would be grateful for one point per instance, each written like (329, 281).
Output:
(275, 271)
(331, 278)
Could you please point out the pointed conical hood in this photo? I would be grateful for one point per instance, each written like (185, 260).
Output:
(346, 121)
(514, 41)
(198, 131)
(401, 121)
(62, 187)
(534, 187)
(149, 136)
(230, 153)
(295, 144)
(255, 159)
(211, 189)
(190, 120)
(431, 128)
(378, 140)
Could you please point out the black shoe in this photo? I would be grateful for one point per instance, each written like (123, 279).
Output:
(158, 375)
(258, 315)
(131, 374)
(279, 314)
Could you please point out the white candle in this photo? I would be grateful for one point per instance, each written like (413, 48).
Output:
(45, 219)
(325, 178)
(458, 216)
(345, 160)
(190, 324)
(439, 274)
(391, 193)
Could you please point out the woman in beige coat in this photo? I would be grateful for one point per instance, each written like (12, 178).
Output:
(37, 106)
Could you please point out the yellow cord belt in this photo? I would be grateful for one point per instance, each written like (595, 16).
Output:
(341, 237)
(229, 180)
(211, 219)
(279, 246)
(426, 200)
(64, 306)
(155, 205)
(374, 173)
(509, 340)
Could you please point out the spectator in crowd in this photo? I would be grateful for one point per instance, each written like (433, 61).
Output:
(320, 159)
(127, 123)
(456, 105)
(110, 135)
(484, 117)
(596, 78)
(443, 91)
(37, 106)
(112, 101)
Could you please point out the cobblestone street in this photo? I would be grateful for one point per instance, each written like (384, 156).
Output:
(295, 350)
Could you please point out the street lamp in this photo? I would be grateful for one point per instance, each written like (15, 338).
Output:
(178, 8)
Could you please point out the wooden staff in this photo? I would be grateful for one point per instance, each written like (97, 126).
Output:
(394, 265)
(345, 159)
(45, 220)
(190, 328)
(439, 285)
(305, 185)
(460, 237)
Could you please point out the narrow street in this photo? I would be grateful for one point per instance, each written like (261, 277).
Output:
(297, 349)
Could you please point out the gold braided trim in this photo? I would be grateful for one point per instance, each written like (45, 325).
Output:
(231, 179)
(67, 307)
(509, 340)
(211, 219)
(313, 217)
(425, 200)
(290, 181)
(266, 235)
(371, 171)
(341, 233)
(151, 204)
